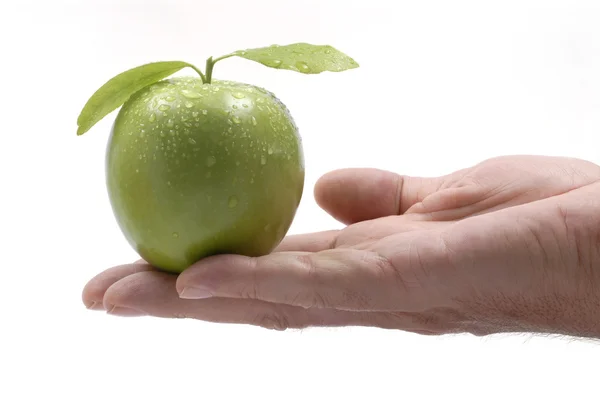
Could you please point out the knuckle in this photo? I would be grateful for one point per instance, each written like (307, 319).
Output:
(311, 298)
(250, 290)
(307, 263)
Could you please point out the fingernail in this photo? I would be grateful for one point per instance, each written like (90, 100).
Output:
(93, 305)
(124, 312)
(195, 293)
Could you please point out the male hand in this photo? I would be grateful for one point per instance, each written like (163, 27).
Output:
(511, 244)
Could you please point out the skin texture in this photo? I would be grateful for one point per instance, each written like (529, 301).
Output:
(195, 170)
(509, 245)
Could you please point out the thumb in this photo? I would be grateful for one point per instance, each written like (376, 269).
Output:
(354, 195)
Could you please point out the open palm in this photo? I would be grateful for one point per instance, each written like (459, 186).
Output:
(393, 266)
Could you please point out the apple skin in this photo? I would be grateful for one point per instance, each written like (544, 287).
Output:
(194, 170)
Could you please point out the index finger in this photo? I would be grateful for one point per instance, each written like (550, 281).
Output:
(345, 279)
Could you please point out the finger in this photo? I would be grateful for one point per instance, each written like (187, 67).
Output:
(346, 279)
(353, 195)
(313, 242)
(93, 292)
(152, 293)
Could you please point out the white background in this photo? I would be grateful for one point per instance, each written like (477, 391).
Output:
(442, 85)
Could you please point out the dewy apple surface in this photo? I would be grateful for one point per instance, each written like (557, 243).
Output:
(197, 166)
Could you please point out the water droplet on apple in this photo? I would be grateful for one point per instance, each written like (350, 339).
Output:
(190, 94)
(272, 63)
(233, 201)
(210, 161)
(236, 119)
(152, 118)
(239, 95)
(192, 141)
(270, 151)
(254, 122)
(169, 98)
(205, 112)
(302, 66)
(170, 123)
(189, 104)
(263, 160)
(175, 235)
(164, 107)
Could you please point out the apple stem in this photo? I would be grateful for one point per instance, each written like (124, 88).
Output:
(210, 64)
(202, 76)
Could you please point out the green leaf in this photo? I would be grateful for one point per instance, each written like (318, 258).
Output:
(116, 91)
(300, 57)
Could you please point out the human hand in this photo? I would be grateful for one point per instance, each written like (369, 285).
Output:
(507, 245)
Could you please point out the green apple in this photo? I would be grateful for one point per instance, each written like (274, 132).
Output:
(197, 167)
